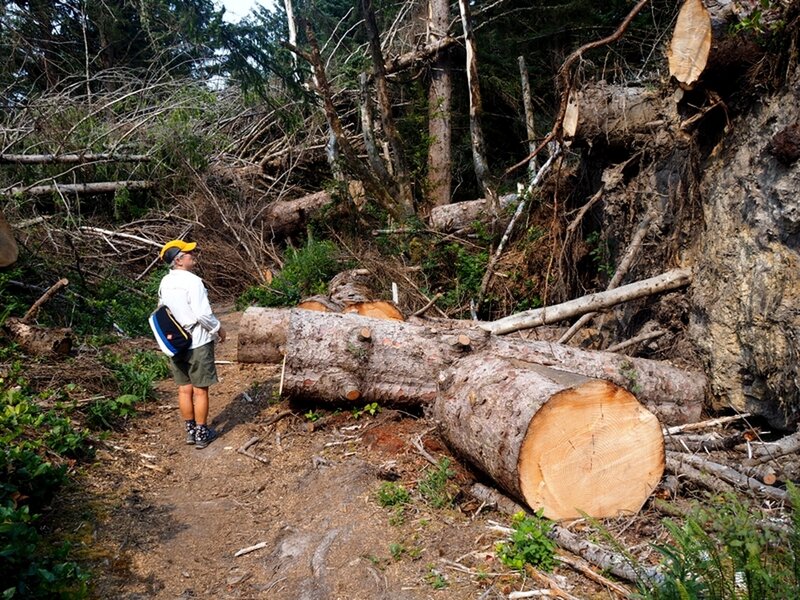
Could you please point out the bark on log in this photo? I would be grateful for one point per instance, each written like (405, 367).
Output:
(552, 314)
(41, 159)
(37, 340)
(408, 358)
(561, 442)
(730, 475)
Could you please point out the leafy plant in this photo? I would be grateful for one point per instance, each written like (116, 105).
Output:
(435, 488)
(436, 579)
(103, 414)
(392, 494)
(372, 409)
(312, 416)
(600, 253)
(529, 543)
(628, 371)
(396, 550)
(29, 436)
(136, 376)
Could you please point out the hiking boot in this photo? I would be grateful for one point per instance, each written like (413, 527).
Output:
(190, 437)
(203, 436)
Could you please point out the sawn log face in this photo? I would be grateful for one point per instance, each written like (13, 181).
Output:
(561, 442)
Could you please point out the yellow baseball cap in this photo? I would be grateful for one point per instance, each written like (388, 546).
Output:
(172, 248)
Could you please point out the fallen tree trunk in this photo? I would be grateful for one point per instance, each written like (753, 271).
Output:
(97, 187)
(559, 441)
(553, 314)
(460, 215)
(617, 115)
(40, 159)
(290, 215)
(402, 363)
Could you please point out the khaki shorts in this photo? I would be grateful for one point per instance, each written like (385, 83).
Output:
(195, 366)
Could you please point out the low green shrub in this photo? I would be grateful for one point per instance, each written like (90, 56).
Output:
(529, 543)
(29, 437)
(392, 494)
(306, 271)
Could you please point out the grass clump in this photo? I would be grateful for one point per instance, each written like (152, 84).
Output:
(435, 485)
(529, 543)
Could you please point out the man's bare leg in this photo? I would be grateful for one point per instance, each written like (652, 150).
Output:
(200, 395)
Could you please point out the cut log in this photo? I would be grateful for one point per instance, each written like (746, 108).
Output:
(321, 304)
(262, 335)
(290, 215)
(561, 442)
(375, 310)
(616, 115)
(404, 361)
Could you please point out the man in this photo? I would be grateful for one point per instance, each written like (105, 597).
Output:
(194, 370)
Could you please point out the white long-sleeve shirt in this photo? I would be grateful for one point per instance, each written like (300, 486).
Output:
(186, 296)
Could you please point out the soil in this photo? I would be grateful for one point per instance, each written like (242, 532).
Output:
(157, 518)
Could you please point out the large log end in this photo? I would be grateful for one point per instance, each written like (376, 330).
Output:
(591, 449)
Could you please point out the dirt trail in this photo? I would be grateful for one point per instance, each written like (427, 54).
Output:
(165, 520)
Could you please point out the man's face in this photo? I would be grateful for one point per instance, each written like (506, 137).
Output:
(186, 261)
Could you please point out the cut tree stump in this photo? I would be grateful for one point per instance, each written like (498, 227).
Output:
(401, 362)
(563, 443)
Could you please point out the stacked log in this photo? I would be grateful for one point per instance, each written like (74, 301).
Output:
(562, 441)
(402, 362)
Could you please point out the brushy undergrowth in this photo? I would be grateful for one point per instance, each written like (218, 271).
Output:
(41, 439)
(729, 550)
(34, 448)
(306, 271)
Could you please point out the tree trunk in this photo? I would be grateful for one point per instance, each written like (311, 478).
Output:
(476, 111)
(402, 362)
(97, 187)
(559, 441)
(38, 341)
(403, 181)
(553, 314)
(460, 215)
(440, 92)
(85, 157)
